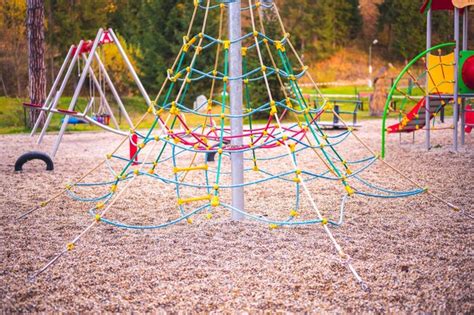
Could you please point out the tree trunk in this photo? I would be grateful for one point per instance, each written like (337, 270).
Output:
(36, 66)
(377, 103)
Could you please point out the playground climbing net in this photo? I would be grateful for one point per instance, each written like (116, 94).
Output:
(175, 150)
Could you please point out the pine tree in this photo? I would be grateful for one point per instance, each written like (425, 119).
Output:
(67, 22)
(401, 28)
(164, 23)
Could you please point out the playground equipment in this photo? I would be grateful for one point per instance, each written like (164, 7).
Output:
(268, 153)
(87, 58)
(33, 155)
(435, 79)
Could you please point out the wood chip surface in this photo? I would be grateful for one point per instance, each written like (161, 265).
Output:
(415, 253)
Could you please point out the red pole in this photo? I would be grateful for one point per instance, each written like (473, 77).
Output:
(133, 148)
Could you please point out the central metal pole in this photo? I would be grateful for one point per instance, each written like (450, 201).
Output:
(465, 32)
(456, 81)
(429, 24)
(236, 99)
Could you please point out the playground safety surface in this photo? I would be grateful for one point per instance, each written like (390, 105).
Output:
(414, 253)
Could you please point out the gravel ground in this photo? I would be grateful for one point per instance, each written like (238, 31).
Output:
(414, 253)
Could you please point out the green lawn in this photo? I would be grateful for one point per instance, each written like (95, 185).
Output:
(13, 114)
(346, 90)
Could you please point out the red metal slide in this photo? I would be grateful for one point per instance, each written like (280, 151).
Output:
(413, 121)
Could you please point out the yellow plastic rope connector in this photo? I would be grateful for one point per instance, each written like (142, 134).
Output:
(279, 46)
(273, 226)
(273, 109)
(294, 213)
(70, 246)
(174, 110)
(97, 217)
(191, 168)
(349, 190)
(215, 201)
(226, 44)
(324, 221)
(182, 201)
(99, 205)
(328, 106)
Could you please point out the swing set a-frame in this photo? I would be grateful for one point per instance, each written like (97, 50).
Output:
(87, 53)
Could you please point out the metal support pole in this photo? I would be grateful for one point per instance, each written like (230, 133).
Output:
(130, 67)
(465, 28)
(53, 89)
(133, 73)
(58, 95)
(335, 118)
(236, 100)
(102, 94)
(114, 91)
(77, 92)
(456, 81)
(427, 99)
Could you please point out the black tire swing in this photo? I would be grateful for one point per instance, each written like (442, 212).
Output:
(34, 155)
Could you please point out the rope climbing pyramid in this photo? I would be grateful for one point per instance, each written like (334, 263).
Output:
(176, 152)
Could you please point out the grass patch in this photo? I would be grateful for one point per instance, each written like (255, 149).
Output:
(13, 114)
